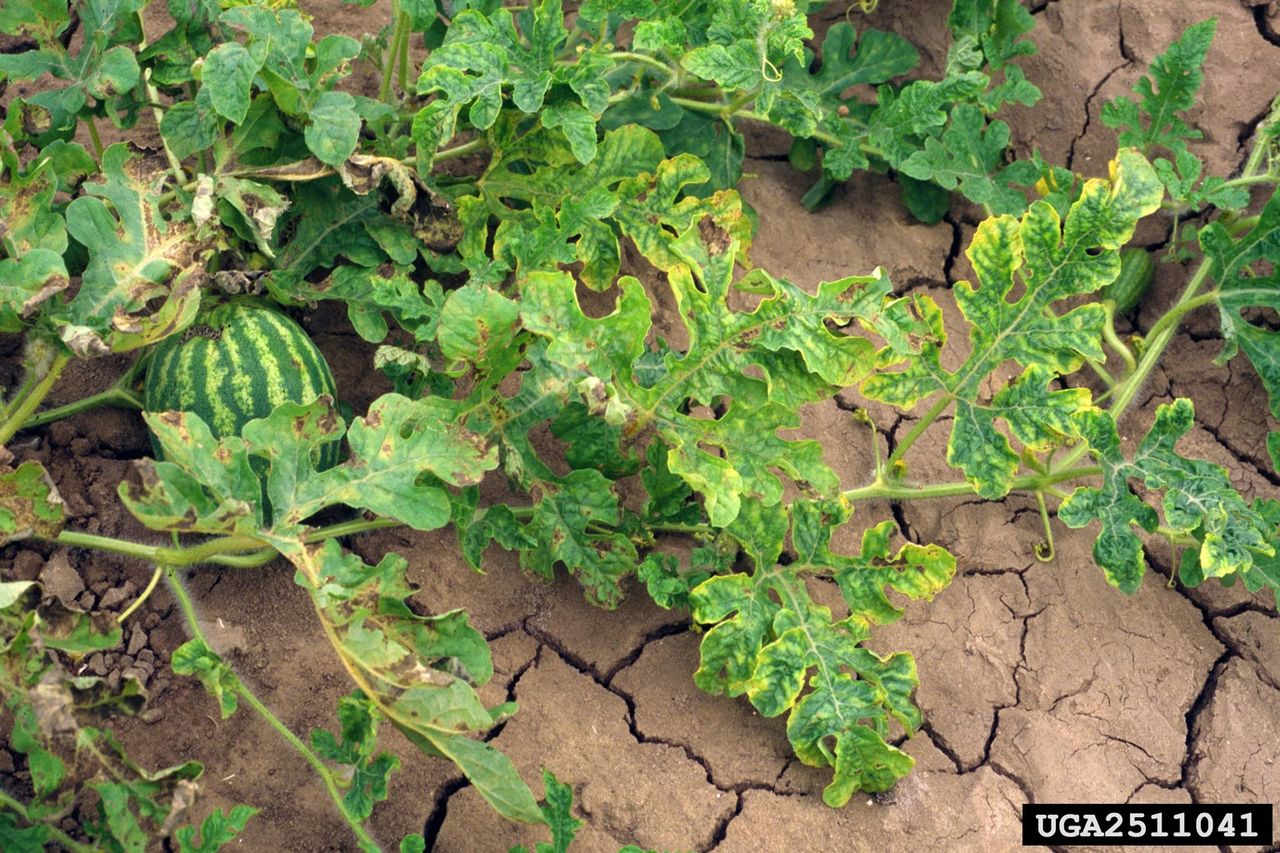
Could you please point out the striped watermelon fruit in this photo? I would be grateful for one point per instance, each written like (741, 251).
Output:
(238, 362)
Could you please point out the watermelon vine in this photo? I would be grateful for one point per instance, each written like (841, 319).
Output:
(513, 165)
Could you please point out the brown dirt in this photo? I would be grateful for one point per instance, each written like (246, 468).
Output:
(1038, 681)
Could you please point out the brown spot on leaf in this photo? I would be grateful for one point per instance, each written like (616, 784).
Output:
(715, 238)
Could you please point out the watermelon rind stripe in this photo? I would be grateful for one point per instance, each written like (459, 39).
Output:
(238, 398)
(273, 342)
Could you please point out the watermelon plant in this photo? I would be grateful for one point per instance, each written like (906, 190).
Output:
(513, 163)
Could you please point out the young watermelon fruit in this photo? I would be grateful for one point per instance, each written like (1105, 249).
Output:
(238, 362)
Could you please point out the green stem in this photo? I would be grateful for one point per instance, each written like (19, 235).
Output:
(1176, 539)
(1045, 549)
(349, 528)
(682, 528)
(1173, 315)
(1251, 180)
(1159, 338)
(236, 551)
(731, 108)
(471, 147)
(193, 625)
(713, 92)
(153, 95)
(900, 491)
(1258, 151)
(118, 397)
(655, 64)
(29, 399)
(94, 137)
(64, 840)
(916, 431)
(146, 593)
(1112, 338)
(157, 554)
(393, 51)
(1102, 373)
(404, 54)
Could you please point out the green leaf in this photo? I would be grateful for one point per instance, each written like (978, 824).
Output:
(32, 270)
(1169, 89)
(424, 667)
(229, 70)
(485, 55)
(1244, 269)
(398, 450)
(716, 143)
(401, 450)
(218, 829)
(189, 127)
(919, 110)
(121, 824)
(969, 156)
(577, 124)
(1199, 501)
(476, 322)
(492, 775)
(1181, 176)
(1051, 260)
(203, 486)
(847, 61)
(558, 812)
(27, 204)
(997, 26)
(369, 772)
(102, 66)
(334, 128)
(137, 258)
(806, 103)
(13, 837)
(28, 737)
(370, 294)
(326, 222)
(251, 208)
(564, 519)
(770, 640)
(735, 66)
(927, 202)
(195, 658)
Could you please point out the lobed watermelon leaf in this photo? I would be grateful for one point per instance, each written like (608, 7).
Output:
(1157, 119)
(1049, 260)
(769, 639)
(1245, 271)
(1199, 502)
(137, 257)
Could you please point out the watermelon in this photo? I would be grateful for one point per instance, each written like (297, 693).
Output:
(239, 361)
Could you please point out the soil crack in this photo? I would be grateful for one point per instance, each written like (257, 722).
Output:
(1264, 26)
(671, 629)
(1088, 101)
(957, 234)
(722, 828)
(435, 820)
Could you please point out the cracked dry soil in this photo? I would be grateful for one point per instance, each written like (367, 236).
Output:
(1038, 681)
